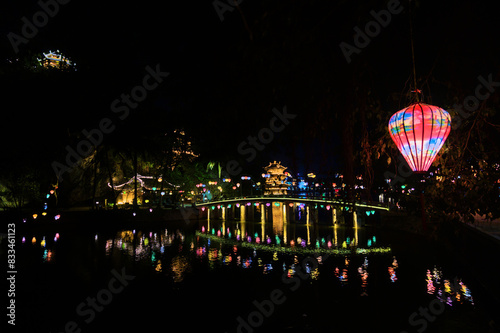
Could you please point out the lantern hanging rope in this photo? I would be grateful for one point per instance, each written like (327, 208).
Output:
(419, 131)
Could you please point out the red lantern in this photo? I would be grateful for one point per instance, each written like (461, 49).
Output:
(419, 131)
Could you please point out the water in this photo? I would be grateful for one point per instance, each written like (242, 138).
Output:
(201, 277)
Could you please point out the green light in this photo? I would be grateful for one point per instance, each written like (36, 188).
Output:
(348, 240)
(154, 188)
(277, 204)
(369, 242)
(317, 244)
(275, 249)
(213, 231)
(213, 207)
(229, 206)
(256, 235)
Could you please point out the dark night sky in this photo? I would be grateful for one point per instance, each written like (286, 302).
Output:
(222, 85)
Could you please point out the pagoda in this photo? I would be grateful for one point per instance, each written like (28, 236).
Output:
(275, 179)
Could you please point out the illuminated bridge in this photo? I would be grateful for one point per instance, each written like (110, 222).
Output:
(290, 209)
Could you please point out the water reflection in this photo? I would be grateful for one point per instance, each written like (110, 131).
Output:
(254, 251)
(171, 253)
(363, 272)
(180, 266)
(392, 270)
(450, 291)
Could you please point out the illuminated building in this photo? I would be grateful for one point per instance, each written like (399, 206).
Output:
(148, 183)
(54, 60)
(275, 177)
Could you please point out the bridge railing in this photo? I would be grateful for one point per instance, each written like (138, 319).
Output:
(291, 197)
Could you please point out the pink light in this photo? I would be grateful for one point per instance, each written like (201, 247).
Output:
(419, 131)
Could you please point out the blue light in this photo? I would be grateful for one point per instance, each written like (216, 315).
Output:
(302, 185)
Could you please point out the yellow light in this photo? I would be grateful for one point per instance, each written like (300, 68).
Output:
(44, 213)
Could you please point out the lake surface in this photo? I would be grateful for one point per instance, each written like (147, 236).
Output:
(243, 277)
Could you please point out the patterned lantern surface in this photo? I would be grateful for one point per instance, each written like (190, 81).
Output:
(419, 132)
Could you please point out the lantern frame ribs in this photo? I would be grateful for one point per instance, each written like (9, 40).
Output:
(419, 131)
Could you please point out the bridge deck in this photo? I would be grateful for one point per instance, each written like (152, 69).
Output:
(300, 199)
